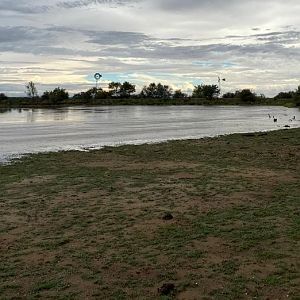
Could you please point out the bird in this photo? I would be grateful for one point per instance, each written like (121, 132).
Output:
(269, 116)
(275, 119)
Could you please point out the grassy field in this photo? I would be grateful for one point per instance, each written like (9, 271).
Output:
(76, 225)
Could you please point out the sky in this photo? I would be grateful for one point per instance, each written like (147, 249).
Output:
(253, 44)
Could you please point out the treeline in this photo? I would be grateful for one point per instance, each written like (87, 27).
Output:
(155, 94)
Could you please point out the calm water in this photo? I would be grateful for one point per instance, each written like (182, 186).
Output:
(37, 130)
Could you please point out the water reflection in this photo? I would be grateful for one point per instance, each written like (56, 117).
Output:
(5, 110)
(38, 115)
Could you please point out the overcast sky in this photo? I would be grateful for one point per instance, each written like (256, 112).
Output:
(253, 44)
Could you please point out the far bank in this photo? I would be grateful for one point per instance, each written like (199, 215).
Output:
(39, 103)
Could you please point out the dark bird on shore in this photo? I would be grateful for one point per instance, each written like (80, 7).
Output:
(275, 119)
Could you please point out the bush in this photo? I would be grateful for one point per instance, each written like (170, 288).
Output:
(229, 95)
(56, 96)
(247, 96)
(178, 94)
(206, 91)
(91, 94)
(156, 91)
(3, 97)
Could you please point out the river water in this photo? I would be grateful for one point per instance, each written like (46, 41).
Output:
(24, 131)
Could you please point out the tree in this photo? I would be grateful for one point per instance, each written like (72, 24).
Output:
(293, 95)
(92, 93)
(31, 90)
(229, 95)
(297, 96)
(247, 95)
(285, 95)
(156, 91)
(178, 94)
(149, 91)
(127, 89)
(123, 90)
(163, 91)
(3, 97)
(115, 88)
(56, 96)
(206, 91)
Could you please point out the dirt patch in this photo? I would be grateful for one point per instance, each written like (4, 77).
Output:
(32, 181)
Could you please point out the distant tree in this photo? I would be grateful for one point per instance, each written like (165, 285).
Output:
(56, 96)
(262, 96)
(292, 95)
(149, 91)
(297, 96)
(156, 91)
(206, 91)
(123, 90)
(92, 93)
(178, 94)
(229, 95)
(163, 91)
(115, 88)
(285, 95)
(246, 95)
(99, 93)
(127, 89)
(3, 97)
(31, 90)
(80, 96)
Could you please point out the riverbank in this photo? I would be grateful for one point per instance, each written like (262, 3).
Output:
(90, 225)
(39, 103)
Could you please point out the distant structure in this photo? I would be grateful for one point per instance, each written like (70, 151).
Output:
(219, 82)
(97, 77)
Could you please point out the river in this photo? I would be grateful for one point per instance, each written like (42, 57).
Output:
(24, 131)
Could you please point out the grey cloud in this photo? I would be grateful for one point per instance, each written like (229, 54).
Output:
(205, 5)
(22, 6)
(9, 34)
(139, 45)
(116, 38)
(278, 37)
(28, 7)
(81, 3)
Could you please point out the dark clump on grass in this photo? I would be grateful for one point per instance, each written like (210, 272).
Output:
(167, 289)
(167, 216)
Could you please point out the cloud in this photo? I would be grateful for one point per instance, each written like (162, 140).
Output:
(22, 6)
(180, 42)
(30, 7)
(83, 3)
